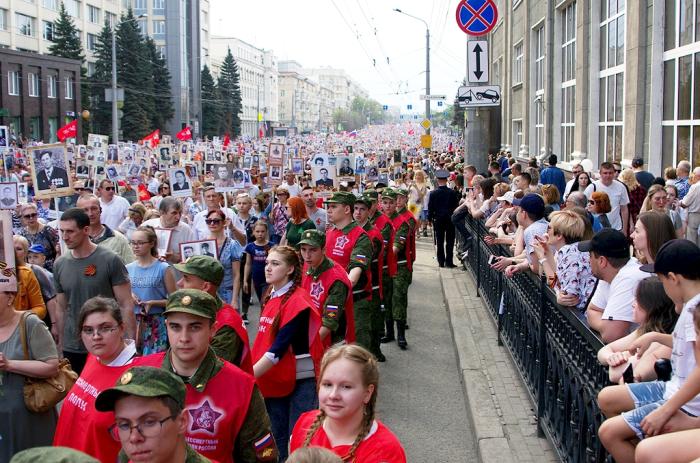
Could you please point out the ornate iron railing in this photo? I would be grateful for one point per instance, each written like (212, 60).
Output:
(554, 351)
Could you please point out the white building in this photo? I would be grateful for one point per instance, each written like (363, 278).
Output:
(344, 88)
(259, 81)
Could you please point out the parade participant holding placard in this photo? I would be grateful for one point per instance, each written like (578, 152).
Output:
(228, 418)
(381, 220)
(170, 219)
(330, 289)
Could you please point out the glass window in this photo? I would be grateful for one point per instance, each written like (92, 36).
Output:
(159, 5)
(69, 88)
(33, 84)
(51, 4)
(93, 14)
(612, 34)
(91, 42)
(539, 55)
(568, 84)
(51, 87)
(48, 31)
(35, 128)
(72, 7)
(111, 19)
(13, 83)
(518, 63)
(53, 128)
(24, 24)
(158, 27)
(3, 19)
(140, 4)
(517, 135)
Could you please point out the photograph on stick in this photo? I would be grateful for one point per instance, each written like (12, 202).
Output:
(198, 248)
(49, 170)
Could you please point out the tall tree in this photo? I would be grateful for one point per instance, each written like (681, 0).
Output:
(230, 93)
(458, 113)
(135, 72)
(163, 102)
(66, 37)
(101, 110)
(211, 105)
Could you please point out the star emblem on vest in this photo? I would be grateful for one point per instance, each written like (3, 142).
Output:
(204, 418)
(316, 289)
(341, 241)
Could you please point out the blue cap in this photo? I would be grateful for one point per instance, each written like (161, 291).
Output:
(531, 203)
(37, 249)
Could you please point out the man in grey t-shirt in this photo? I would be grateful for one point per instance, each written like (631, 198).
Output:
(318, 216)
(84, 272)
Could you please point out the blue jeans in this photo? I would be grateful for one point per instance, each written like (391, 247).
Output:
(285, 411)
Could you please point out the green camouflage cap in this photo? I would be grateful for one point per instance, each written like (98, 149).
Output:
(192, 301)
(313, 238)
(52, 455)
(372, 194)
(366, 200)
(389, 193)
(205, 267)
(143, 382)
(342, 197)
(401, 191)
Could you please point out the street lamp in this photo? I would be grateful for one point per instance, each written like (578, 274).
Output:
(427, 67)
(115, 111)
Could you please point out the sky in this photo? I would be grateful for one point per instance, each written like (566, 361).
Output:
(354, 35)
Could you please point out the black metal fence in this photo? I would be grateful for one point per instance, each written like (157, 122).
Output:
(554, 351)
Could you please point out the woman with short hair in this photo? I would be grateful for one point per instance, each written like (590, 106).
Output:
(299, 222)
(599, 206)
(37, 233)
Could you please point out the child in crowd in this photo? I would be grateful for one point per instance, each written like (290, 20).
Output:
(255, 265)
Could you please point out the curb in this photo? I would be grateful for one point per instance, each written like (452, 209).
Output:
(492, 443)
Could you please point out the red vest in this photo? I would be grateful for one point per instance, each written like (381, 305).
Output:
(389, 256)
(339, 248)
(80, 426)
(227, 316)
(411, 220)
(377, 264)
(279, 381)
(318, 292)
(217, 413)
(408, 249)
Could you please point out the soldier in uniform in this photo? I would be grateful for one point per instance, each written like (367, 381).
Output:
(50, 454)
(230, 341)
(152, 401)
(330, 289)
(373, 320)
(403, 250)
(386, 228)
(229, 421)
(349, 245)
(441, 204)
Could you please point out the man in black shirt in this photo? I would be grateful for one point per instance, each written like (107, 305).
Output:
(441, 204)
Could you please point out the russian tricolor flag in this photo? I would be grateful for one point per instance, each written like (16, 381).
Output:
(353, 133)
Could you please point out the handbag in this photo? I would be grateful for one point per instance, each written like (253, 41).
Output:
(42, 394)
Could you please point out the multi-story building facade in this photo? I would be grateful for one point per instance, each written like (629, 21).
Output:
(259, 80)
(344, 88)
(603, 80)
(38, 94)
(299, 98)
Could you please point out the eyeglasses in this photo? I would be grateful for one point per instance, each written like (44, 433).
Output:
(89, 331)
(150, 427)
(29, 216)
(138, 243)
(109, 188)
(212, 221)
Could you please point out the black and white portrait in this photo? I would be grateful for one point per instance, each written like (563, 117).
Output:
(50, 170)
(8, 195)
(179, 183)
(198, 248)
(113, 153)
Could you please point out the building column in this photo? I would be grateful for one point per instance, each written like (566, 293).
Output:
(635, 80)
(583, 83)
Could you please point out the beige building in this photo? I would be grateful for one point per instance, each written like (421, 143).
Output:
(344, 88)
(603, 80)
(259, 79)
(299, 98)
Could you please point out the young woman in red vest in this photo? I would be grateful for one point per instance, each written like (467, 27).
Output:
(80, 426)
(345, 422)
(287, 349)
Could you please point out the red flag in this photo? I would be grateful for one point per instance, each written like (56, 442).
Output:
(69, 130)
(227, 141)
(411, 132)
(184, 134)
(153, 137)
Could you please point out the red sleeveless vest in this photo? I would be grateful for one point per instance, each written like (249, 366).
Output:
(217, 413)
(339, 248)
(389, 257)
(280, 380)
(408, 248)
(377, 264)
(227, 316)
(318, 292)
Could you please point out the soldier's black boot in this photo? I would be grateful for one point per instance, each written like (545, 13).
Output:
(389, 336)
(401, 334)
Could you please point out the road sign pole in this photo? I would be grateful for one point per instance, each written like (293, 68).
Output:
(427, 80)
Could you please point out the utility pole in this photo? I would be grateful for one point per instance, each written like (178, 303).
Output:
(294, 109)
(257, 115)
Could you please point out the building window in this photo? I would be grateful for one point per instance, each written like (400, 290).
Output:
(25, 24)
(53, 128)
(612, 60)
(680, 136)
(143, 26)
(162, 51)
(48, 31)
(517, 135)
(518, 63)
(158, 28)
(3, 19)
(35, 128)
(72, 7)
(140, 5)
(159, 5)
(69, 88)
(91, 42)
(93, 14)
(568, 80)
(111, 19)
(539, 50)
(90, 69)
(51, 87)
(13, 83)
(51, 4)
(33, 84)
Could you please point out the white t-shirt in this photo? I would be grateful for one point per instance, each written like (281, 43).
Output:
(617, 192)
(181, 234)
(202, 230)
(320, 218)
(683, 356)
(114, 212)
(616, 297)
(294, 189)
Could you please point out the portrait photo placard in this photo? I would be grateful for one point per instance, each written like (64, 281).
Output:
(8, 195)
(8, 279)
(163, 235)
(180, 184)
(198, 248)
(50, 170)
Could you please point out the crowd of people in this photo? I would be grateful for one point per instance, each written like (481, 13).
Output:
(149, 294)
(619, 248)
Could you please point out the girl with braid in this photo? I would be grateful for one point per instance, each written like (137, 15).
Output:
(345, 422)
(287, 350)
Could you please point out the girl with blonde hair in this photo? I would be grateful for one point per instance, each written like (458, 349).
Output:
(418, 199)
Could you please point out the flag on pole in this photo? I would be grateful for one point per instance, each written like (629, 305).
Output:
(153, 137)
(184, 134)
(227, 141)
(69, 130)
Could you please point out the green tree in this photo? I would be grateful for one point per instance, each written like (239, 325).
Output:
(230, 94)
(101, 110)
(458, 114)
(135, 72)
(66, 37)
(163, 102)
(211, 105)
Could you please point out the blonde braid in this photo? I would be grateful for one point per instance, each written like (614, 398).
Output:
(318, 421)
(367, 421)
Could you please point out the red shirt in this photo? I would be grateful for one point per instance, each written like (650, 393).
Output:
(379, 446)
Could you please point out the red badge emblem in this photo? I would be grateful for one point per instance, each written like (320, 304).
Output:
(316, 289)
(204, 418)
(341, 241)
(90, 270)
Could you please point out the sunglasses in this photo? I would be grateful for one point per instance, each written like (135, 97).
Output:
(109, 188)
(212, 221)
(30, 216)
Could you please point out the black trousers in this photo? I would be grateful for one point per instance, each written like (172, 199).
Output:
(445, 238)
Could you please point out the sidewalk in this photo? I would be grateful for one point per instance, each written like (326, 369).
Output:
(498, 405)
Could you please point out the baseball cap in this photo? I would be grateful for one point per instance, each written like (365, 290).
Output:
(364, 199)
(608, 243)
(315, 238)
(205, 267)
(342, 197)
(637, 162)
(442, 174)
(194, 302)
(372, 194)
(531, 203)
(52, 455)
(508, 197)
(37, 249)
(143, 382)
(678, 256)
